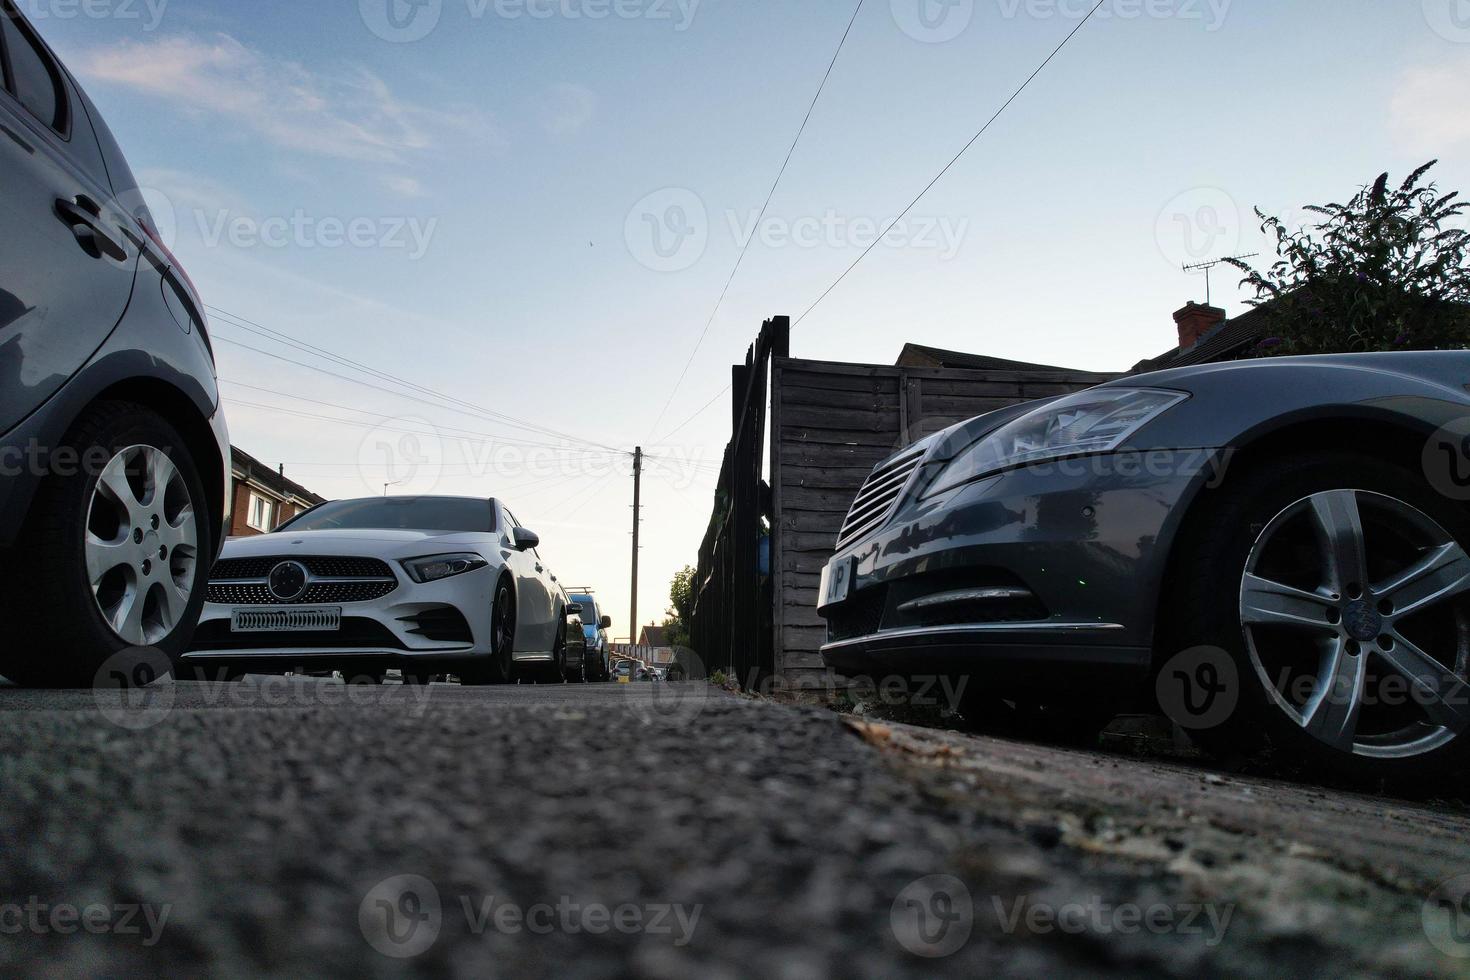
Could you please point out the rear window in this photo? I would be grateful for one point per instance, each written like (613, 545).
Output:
(463, 514)
(31, 77)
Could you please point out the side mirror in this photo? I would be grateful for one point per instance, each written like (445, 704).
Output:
(526, 540)
(575, 609)
(606, 622)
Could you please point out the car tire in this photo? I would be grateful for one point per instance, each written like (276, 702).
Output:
(1267, 521)
(577, 674)
(499, 667)
(79, 518)
(556, 671)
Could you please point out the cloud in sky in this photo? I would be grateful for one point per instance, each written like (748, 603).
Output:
(404, 185)
(1428, 107)
(566, 108)
(349, 114)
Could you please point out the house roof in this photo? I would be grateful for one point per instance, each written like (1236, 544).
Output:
(655, 636)
(1229, 340)
(917, 355)
(262, 475)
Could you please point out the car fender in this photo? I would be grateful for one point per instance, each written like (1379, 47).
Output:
(147, 358)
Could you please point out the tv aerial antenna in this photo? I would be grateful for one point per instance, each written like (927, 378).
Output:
(1208, 267)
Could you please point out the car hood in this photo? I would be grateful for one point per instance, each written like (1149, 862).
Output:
(373, 542)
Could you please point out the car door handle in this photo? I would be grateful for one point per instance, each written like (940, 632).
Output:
(86, 213)
(540, 569)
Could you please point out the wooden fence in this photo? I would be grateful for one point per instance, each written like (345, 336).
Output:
(731, 625)
(830, 423)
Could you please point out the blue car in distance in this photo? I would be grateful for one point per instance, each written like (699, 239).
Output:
(595, 626)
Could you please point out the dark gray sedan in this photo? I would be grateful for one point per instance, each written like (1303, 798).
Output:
(1274, 550)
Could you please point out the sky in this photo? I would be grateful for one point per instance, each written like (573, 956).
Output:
(532, 207)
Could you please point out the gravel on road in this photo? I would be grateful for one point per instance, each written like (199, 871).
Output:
(301, 828)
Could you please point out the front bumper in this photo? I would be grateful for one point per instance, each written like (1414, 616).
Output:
(1058, 563)
(382, 629)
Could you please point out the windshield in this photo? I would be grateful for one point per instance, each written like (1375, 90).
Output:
(465, 514)
(589, 609)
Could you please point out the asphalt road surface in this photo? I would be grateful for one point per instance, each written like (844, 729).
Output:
(299, 828)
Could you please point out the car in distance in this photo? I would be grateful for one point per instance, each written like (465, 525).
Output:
(427, 585)
(1277, 545)
(595, 626)
(113, 448)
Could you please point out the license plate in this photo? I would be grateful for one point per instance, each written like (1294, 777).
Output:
(836, 582)
(292, 620)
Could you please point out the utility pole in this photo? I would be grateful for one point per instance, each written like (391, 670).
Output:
(637, 521)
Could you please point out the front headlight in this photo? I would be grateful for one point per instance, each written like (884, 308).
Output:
(435, 567)
(1095, 421)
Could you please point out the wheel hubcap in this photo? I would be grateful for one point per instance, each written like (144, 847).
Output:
(141, 545)
(1354, 610)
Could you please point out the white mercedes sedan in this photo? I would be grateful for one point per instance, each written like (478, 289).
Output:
(427, 585)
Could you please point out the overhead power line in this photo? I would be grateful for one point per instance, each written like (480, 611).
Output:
(452, 430)
(455, 403)
(963, 150)
(707, 405)
(739, 259)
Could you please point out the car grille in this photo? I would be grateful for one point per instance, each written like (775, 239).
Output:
(257, 594)
(879, 495)
(328, 567)
(862, 615)
(243, 581)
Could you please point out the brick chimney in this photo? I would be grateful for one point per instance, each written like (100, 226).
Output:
(1196, 320)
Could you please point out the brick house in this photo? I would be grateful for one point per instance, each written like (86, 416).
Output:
(263, 499)
(654, 647)
(1206, 336)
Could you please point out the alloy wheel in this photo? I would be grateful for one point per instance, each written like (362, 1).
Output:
(141, 545)
(1353, 605)
(504, 629)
